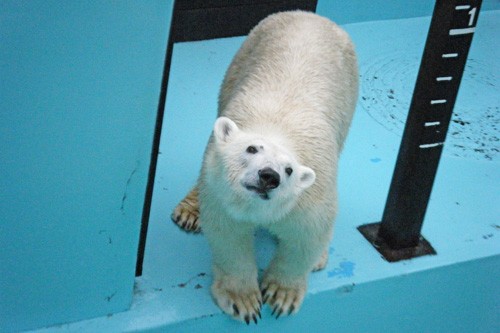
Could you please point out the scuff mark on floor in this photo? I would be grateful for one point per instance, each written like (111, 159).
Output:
(346, 289)
(473, 128)
(197, 286)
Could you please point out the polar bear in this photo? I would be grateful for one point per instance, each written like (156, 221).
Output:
(285, 107)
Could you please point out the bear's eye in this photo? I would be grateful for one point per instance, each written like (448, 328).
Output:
(289, 171)
(252, 150)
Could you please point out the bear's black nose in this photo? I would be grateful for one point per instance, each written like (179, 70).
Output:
(269, 178)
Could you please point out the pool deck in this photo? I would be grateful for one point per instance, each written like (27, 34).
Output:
(456, 290)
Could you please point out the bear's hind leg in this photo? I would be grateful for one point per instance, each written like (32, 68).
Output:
(323, 261)
(187, 213)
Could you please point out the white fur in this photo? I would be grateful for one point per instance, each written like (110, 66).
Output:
(240, 169)
(290, 91)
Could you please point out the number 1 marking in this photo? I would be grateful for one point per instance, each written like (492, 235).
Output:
(472, 14)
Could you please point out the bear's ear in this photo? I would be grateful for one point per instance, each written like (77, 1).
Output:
(306, 177)
(224, 128)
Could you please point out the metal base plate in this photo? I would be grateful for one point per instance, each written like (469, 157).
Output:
(370, 232)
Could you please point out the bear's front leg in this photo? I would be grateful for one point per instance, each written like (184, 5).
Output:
(285, 282)
(235, 287)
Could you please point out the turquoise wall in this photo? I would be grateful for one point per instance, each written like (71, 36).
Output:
(79, 89)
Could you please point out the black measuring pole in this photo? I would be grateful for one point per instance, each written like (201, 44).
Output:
(441, 69)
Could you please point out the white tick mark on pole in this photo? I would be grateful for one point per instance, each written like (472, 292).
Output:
(462, 31)
(431, 145)
(438, 101)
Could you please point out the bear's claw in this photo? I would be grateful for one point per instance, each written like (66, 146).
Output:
(186, 214)
(283, 299)
(243, 306)
(185, 219)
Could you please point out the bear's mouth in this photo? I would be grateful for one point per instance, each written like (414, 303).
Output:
(263, 193)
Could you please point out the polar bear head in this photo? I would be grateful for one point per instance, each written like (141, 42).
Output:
(259, 172)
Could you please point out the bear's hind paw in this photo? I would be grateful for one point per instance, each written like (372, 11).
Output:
(186, 216)
(323, 261)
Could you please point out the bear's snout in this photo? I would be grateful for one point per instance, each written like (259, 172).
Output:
(269, 179)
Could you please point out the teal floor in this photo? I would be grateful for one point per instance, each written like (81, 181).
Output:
(462, 221)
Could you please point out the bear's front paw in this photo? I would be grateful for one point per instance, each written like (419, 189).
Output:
(186, 215)
(239, 303)
(283, 298)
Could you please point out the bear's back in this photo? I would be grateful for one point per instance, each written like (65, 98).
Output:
(293, 66)
(295, 75)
